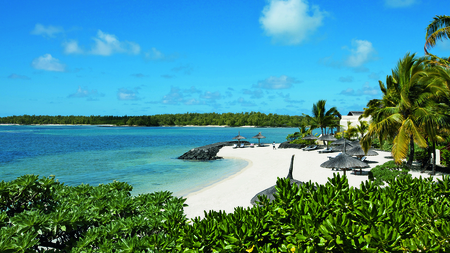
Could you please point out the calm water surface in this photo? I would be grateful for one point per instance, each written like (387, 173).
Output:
(145, 157)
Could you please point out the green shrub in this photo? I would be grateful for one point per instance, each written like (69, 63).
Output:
(408, 215)
(376, 143)
(387, 146)
(388, 172)
(445, 157)
(38, 213)
(300, 141)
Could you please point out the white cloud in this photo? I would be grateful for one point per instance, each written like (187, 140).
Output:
(399, 3)
(174, 97)
(85, 93)
(15, 76)
(186, 69)
(276, 83)
(287, 99)
(177, 96)
(47, 62)
(258, 93)
(346, 79)
(366, 90)
(242, 102)
(125, 94)
(71, 47)
(139, 75)
(156, 55)
(290, 21)
(107, 44)
(49, 31)
(211, 95)
(361, 53)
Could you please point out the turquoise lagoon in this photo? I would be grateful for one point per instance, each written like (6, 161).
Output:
(144, 157)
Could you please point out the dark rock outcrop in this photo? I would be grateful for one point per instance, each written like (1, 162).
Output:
(286, 144)
(208, 152)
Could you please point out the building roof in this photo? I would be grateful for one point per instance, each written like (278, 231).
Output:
(355, 113)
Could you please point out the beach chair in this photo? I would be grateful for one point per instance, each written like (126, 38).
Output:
(328, 150)
(234, 145)
(252, 145)
(242, 145)
(311, 148)
(363, 159)
(331, 157)
(307, 147)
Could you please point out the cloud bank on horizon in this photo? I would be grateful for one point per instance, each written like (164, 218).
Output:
(145, 58)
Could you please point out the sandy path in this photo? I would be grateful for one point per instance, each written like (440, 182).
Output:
(265, 165)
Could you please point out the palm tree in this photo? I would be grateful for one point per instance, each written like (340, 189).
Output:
(362, 128)
(322, 118)
(438, 29)
(436, 123)
(402, 108)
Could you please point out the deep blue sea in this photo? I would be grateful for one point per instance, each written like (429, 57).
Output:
(144, 157)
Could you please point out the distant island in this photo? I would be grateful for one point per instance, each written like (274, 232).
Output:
(186, 119)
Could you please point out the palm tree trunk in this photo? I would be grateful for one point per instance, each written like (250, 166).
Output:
(411, 152)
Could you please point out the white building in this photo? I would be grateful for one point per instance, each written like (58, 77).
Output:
(352, 117)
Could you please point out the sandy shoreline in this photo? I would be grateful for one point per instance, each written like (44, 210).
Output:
(265, 165)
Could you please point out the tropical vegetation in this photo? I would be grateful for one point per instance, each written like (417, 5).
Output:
(413, 108)
(322, 118)
(408, 215)
(197, 119)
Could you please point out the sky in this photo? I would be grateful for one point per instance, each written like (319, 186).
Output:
(156, 57)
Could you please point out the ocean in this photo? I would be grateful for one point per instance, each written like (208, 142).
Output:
(145, 157)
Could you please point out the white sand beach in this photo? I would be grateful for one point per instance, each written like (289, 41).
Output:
(265, 165)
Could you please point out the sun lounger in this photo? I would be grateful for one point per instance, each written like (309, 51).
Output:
(234, 145)
(252, 145)
(331, 157)
(363, 158)
(328, 150)
(307, 147)
(311, 148)
(242, 145)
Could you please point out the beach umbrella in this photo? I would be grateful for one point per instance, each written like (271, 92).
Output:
(269, 192)
(341, 142)
(359, 152)
(239, 137)
(344, 162)
(310, 137)
(327, 138)
(259, 136)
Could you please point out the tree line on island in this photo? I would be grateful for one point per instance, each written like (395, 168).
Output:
(195, 119)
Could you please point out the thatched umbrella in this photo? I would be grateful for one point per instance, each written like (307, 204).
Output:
(341, 142)
(239, 137)
(359, 152)
(269, 192)
(309, 137)
(259, 136)
(344, 162)
(327, 138)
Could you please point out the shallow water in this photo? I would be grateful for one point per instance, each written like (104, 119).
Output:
(145, 157)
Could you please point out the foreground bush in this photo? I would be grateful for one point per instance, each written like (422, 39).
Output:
(43, 214)
(408, 215)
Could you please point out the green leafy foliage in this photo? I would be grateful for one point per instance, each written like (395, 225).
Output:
(408, 215)
(39, 214)
(197, 119)
(388, 172)
(445, 157)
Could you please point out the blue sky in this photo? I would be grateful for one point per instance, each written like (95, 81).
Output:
(157, 57)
